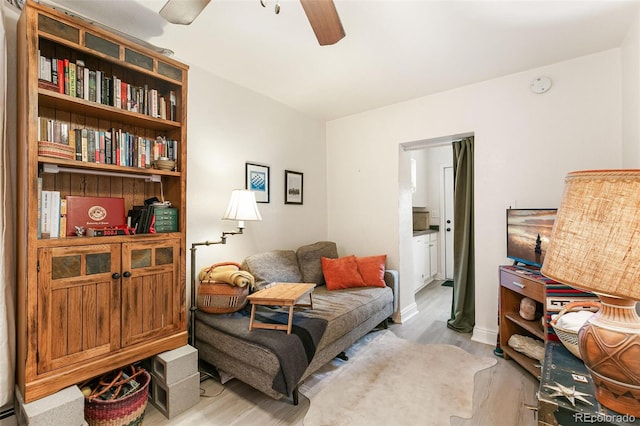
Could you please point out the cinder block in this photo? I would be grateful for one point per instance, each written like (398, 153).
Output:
(175, 365)
(65, 407)
(174, 399)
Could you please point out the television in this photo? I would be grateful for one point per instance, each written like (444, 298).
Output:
(528, 234)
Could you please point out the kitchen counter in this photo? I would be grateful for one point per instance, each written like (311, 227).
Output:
(433, 230)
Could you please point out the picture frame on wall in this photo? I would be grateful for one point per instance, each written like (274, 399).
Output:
(293, 187)
(257, 180)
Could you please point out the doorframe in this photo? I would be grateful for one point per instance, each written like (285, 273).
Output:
(408, 307)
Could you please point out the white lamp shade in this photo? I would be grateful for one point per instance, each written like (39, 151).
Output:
(242, 206)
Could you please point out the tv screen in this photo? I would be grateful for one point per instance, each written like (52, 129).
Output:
(528, 233)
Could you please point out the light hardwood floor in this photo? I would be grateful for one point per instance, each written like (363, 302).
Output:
(500, 393)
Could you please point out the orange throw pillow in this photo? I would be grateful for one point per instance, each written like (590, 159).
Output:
(341, 273)
(371, 269)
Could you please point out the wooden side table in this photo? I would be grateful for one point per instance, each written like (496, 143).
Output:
(280, 294)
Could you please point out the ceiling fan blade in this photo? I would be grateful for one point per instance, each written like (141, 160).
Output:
(324, 20)
(182, 12)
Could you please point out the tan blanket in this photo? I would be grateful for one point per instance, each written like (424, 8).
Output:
(229, 274)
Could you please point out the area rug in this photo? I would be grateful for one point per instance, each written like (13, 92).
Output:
(390, 380)
(448, 283)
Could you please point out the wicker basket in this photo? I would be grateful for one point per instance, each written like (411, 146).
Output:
(569, 338)
(221, 298)
(126, 411)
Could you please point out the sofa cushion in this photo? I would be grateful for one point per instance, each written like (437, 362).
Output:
(273, 266)
(342, 273)
(372, 269)
(309, 260)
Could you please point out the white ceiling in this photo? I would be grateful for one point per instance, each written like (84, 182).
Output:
(394, 50)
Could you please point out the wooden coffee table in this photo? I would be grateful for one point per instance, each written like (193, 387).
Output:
(280, 294)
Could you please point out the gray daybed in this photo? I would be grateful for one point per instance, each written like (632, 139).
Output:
(274, 362)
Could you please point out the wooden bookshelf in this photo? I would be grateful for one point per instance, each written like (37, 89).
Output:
(87, 305)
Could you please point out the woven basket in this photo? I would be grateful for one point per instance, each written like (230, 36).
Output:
(569, 338)
(127, 411)
(221, 298)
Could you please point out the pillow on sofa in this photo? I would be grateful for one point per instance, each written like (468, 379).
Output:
(309, 260)
(371, 269)
(342, 273)
(273, 266)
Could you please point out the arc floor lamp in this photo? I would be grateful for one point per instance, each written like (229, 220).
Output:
(242, 207)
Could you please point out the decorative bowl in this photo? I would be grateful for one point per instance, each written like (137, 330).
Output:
(165, 164)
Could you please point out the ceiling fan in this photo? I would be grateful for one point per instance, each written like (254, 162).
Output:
(322, 15)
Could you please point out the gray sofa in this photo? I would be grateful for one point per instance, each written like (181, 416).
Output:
(343, 316)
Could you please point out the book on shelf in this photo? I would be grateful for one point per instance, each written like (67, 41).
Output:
(72, 79)
(47, 85)
(39, 190)
(60, 76)
(63, 218)
(54, 71)
(50, 214)
(94, 212)
(80, 78)
(66, 76)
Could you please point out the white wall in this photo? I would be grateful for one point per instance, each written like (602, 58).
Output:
(630, 60)
(524, 145)
(229, 125)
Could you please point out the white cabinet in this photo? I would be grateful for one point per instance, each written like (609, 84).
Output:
(420, 260)
(433, 255)
(425, 259)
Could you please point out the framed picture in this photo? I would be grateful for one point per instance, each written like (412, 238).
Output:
(292, 187)
(257, 180)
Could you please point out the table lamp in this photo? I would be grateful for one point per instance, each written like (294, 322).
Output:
(595, 246)
(242, 207)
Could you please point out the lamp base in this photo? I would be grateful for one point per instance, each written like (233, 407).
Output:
(610, 348)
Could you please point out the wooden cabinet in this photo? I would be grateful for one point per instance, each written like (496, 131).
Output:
(515, 284)
(87, 305)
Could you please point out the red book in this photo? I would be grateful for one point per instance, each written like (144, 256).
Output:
(60, 76)
(94, 212)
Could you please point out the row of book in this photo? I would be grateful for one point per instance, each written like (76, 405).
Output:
(113, 146)
(77, 80)
(60, 217)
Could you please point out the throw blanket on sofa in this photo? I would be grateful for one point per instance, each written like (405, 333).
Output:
(294, 351)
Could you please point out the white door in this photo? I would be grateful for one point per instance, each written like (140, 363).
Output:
(448, 222)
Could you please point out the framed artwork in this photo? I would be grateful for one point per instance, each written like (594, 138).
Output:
(257, 180)
(292, 187)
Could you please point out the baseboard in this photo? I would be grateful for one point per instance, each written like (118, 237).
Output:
(482, 335)
(407, 313)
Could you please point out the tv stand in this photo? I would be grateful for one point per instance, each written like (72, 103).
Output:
(531, 269)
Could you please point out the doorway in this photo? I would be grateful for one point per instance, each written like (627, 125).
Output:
(440, 206)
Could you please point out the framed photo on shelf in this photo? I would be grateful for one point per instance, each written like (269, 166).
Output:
(257, 180)
(292, 187)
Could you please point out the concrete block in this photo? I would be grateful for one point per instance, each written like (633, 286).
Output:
(174, 399)
(65, 407)
(175, 365)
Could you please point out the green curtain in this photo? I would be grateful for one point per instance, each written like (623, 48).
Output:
(463, 304)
